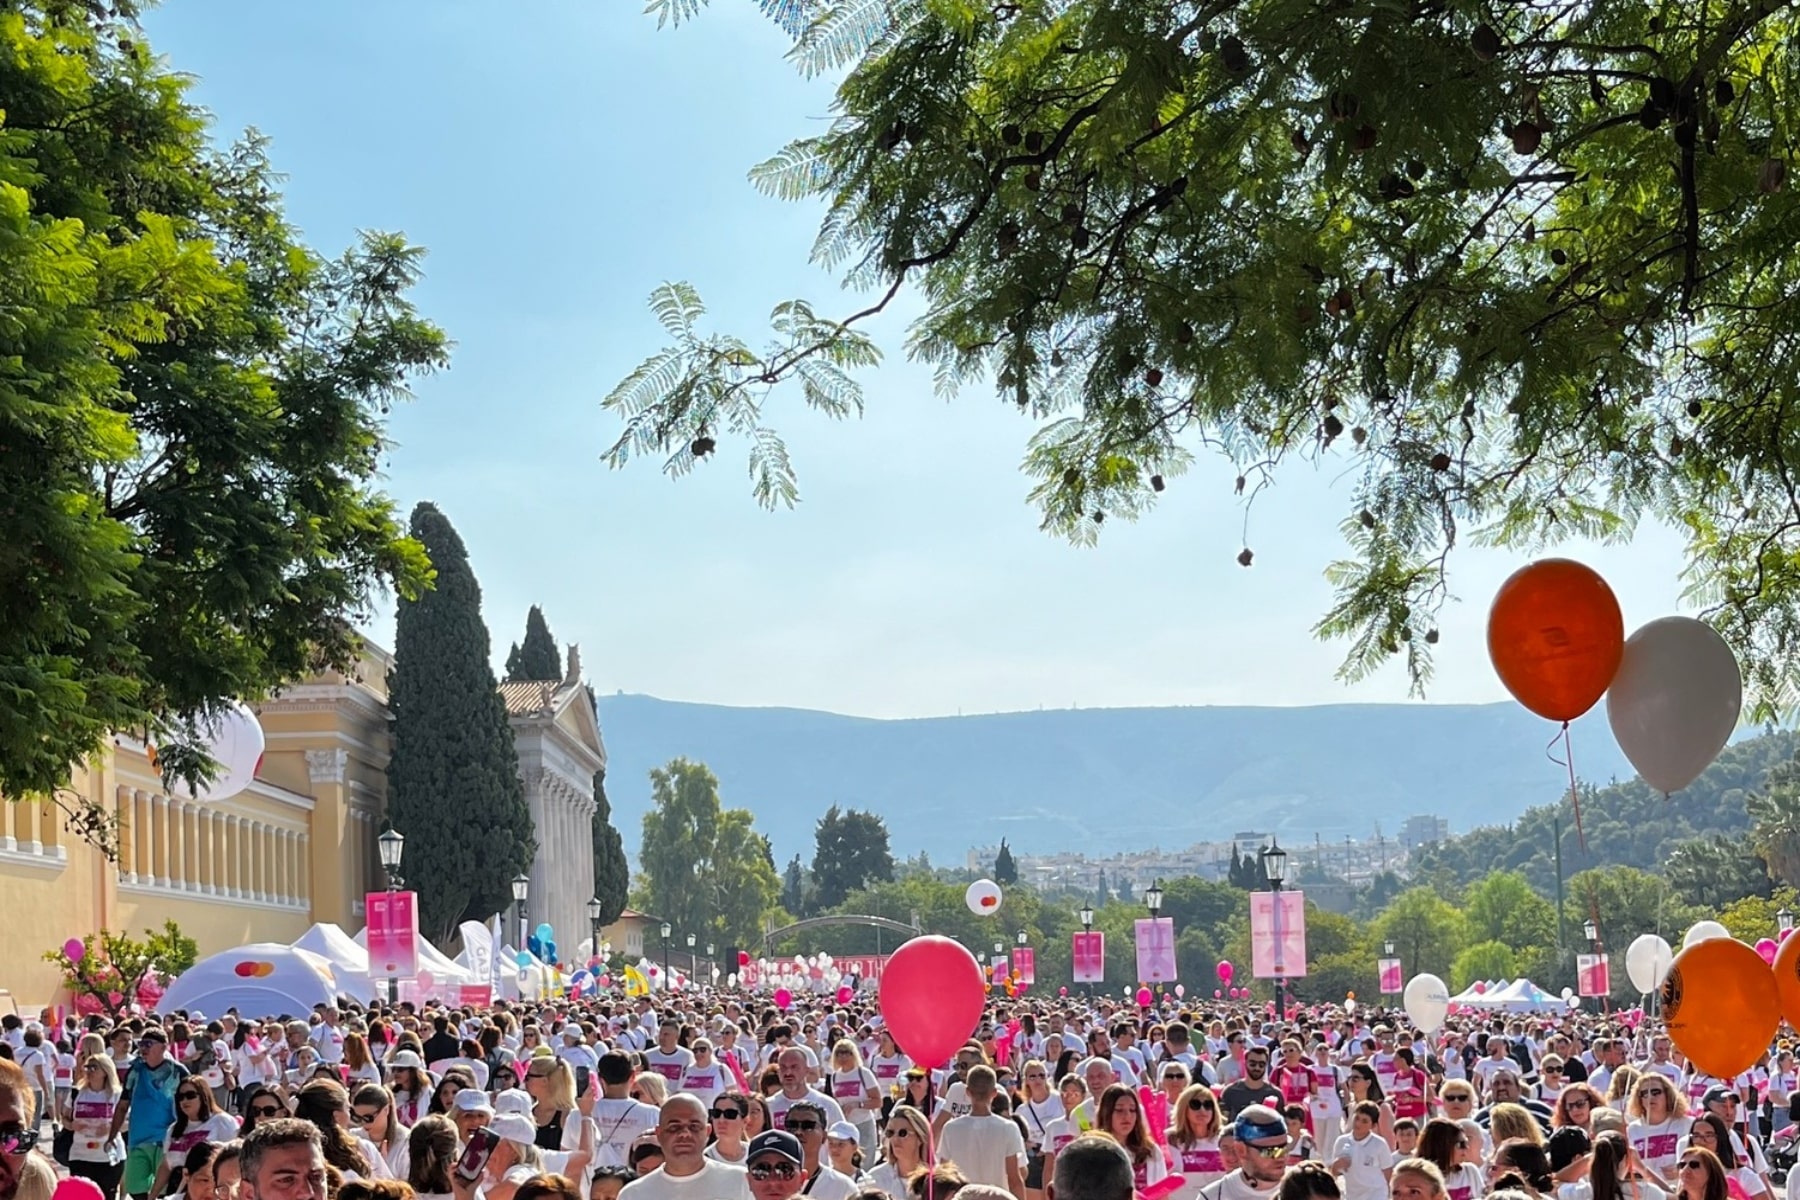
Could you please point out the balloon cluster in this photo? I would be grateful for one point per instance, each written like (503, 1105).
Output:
(542, 943)
(1673, 689)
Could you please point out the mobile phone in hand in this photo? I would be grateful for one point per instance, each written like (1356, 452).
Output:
(475, 1155)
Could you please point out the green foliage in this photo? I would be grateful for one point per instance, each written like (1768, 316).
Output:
(1006, 871)
(192, 411)
(1712, 872)
(1774, 812)
(453, 778)
(1753, 917)
(850, 851)
(612, 873)
(706, 869)
(1503, 909)
(794, 892)
(1626, 823)
(1427, 931)
(538, 656)
(114, 965)
(1521, 271)
(1483, 960)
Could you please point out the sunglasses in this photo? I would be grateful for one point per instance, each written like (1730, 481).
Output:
(898, 1135)
(1649, 1092)
(725, 1114)
(264, 1110)
(1692, 1164)
(763, 1172)
(187, 1095)
(802, 1126)
(1270, 1152)
(367, 1118)
(1204, 1105)
(17, 1140)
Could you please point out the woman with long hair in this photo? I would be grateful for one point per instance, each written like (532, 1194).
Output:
(1411, 1090)
(856, 1090)
(1658, 1113)
(1037, 1109)
(1364, 1084)
(1194, 1140)
(431, 1153)
(1710, 1133)
(1702, 1176)
(1442, 1144)
(1416, 1179)
(905, 1149)
(914, 1092)
(1072, 1092)
(372, 1113)
(730, 1113)
(359, 1065)
(1509, 1122)
(888, 1062)
(261, 1103)
(1119, 1118)
(1521, 1162)
(94, 1152)
(443, 1096)
(564, 1133)
(409, 1085)
(326, 1105)
(197, 1119)
(1616, 1172)
(1576, 1106)
(197, 1173)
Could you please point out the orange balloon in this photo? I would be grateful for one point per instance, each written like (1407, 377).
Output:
(1787, 979)
(1720, 1004)
(1555, 635)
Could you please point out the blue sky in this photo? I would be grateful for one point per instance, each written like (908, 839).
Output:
(559, 159)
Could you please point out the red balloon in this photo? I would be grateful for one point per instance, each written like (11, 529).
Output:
(932, 994)
(743, 958)
(1555, 635)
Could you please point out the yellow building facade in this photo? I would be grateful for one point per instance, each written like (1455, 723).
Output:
(296, 847)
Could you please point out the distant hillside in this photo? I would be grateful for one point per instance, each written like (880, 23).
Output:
(1102, 780)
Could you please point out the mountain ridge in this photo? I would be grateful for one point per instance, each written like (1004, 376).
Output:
(1102, 780)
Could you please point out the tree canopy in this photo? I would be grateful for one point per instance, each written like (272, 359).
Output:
(538, 657)
(850, 851)
(612, 874)
(192, 412)
(705, 868)
(1522, 271)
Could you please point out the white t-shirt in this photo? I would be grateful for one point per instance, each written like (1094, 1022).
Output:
(1658, 1146)
(1038, 1116)
(981, 1146)
(93, 1112)
(780, 1102)
(619, 1123)
(850, 1089)
(1059, 1133)
(1200, 1164)
(713, 1181)
(1235, 1187)
(328, 1040)
(705, 1082)
(1465, 1183)
(830, 1185)
(1363, 1178)
(670, 1065)
(220, 1127)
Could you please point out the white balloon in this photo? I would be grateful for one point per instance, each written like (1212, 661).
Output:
(1426, 1000)
(234, 738)
(983, 897)
(1647, 960)
(1567, 992)
(1675, 701)
(1701, 931)
(1349, 1007)
(1573, 1001)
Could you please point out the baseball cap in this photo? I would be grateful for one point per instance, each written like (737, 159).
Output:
(512, 1100)
(1257, 1121)
(778, 1142)
(406, 1058)
(1716, 1093)
(473, 1100)
(1567, 1144)
(513, 1127)
(843, 1131)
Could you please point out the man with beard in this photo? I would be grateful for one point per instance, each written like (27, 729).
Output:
(1253, 1088)
(791, 1065)
(686, 1173)
(1263, 1138)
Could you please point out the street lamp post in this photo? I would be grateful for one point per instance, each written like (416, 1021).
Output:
(1784, 921)
(711, 965)
(595, 910)
(1274, 863)
(391, 845)
(667, 929)
(1087, 926)
(1153, 898)
(521, 886)
(693, 960)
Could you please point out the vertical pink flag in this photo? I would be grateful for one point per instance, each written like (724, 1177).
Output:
(393, 934)
(1389, 969)
(1593, 975)
(1025, 963)
(1277, 935)
(1155, 949)
(1087, 954)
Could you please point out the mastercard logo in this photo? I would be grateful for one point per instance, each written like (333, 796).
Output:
(990, 901)
(254, 970)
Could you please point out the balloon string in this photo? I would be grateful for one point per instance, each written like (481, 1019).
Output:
(1568, 760)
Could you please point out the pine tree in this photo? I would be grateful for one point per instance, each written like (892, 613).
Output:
(793, 888)
(1100, 893)
(612, 874)
(1006, 871)
(538, 657)
(453, 778)
(1124, 889)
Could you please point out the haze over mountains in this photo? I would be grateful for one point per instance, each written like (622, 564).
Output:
(1103, 780)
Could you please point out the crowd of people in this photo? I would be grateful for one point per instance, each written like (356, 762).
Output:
(723, 1096)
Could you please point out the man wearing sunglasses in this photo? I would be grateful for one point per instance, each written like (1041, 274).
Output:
(776, 1166)
(807, 1123)
(686, 1173)
(147, 1109)
(1263, 1135)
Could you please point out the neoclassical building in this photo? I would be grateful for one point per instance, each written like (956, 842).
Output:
(296, 847)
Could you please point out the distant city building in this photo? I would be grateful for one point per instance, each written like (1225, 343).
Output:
(1424, 831)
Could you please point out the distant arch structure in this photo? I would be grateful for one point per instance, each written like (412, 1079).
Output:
(910, 928)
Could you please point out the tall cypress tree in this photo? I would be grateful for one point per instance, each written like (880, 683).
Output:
(612, 874)
(453, 777)
(538, 656)
(1006, 869)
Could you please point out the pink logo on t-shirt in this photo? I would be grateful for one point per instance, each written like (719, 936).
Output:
(670, 1071)
(1197, 1160)
(887, 1070)
(846, 1088)
(1460, 1192)
(1660, 1145)
(701, 1079)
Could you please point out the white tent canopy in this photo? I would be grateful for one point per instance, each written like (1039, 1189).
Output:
(263, 979)
(349, 961)
(1522, 995)
(1485, 998)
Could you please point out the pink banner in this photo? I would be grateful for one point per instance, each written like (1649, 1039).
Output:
(393, 934)
(999, 969)
(1087, 954)
(1155, 949)
(1391, 984)
(1593, 974)
(476, 995)
(1025, 963)
(1277, 935)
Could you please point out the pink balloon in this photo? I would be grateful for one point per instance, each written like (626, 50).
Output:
(1181, 991)
(75, 950)
(605, 981)
(932, 994)
(1480, 987)
(1062, 991)
(1225, 970)
(783, 998)
(75, 1188)
(1765, 948)
(1217, 994)
(844, 995)
(1144, 997)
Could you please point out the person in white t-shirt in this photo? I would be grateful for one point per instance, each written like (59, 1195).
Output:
(791, 1066)
(1361, 1158)
(669, 1059)
(988, 1148)
(327, 1037)
(705, 1077)
(888, 1063)
(1658, 1113)
(686, 1172)
(855, 1089)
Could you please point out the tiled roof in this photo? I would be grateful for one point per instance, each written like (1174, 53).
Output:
(529, 696)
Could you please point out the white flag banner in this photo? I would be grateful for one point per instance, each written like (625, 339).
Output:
(478, 945)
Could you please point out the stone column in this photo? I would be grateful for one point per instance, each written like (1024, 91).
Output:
(159, 813)
(259, 857)
(25, 834)
(328, 771)
(143, 840)
(124, 803)
(234, 849)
